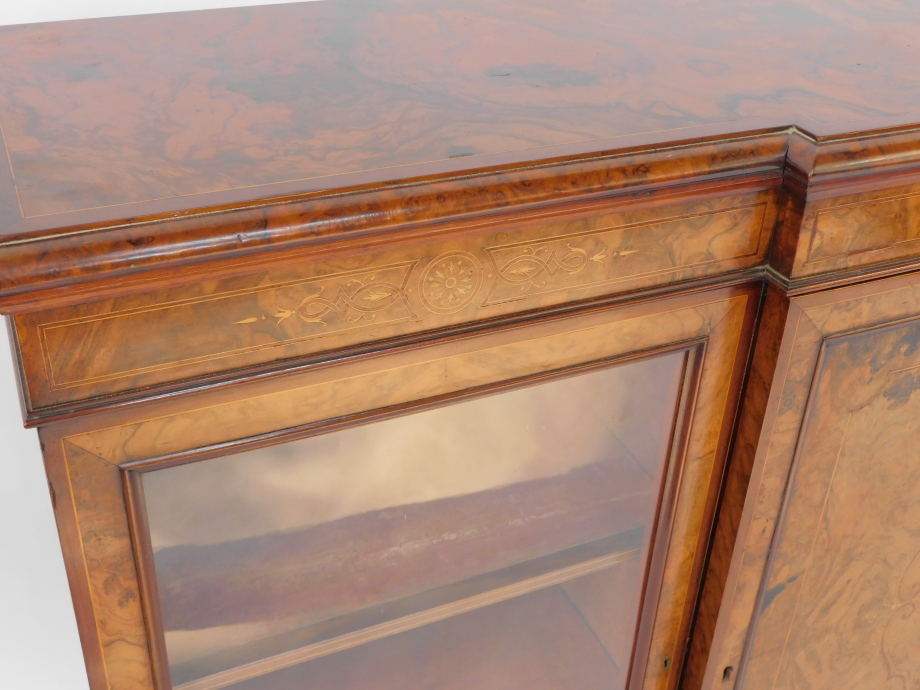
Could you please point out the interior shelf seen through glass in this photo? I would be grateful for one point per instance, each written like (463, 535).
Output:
(496, 542)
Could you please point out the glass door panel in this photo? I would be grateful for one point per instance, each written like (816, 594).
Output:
(495, 542)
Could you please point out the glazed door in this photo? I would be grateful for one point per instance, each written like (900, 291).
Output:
(527, 508)
(498, 541)
(824, 591)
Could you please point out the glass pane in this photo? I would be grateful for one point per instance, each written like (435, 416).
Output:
(496, 542)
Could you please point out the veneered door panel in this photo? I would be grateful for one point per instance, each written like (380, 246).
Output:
(824, 581)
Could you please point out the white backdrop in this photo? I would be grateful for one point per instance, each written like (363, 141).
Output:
(39, 647)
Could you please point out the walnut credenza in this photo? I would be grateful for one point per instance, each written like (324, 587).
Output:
(394, 345)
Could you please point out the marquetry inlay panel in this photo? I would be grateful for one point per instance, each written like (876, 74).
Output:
(118, 345)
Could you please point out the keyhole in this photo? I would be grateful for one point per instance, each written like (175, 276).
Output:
(727, 673)
(667, 663)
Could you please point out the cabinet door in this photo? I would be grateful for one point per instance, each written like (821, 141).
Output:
(524, 508)
(825, 581)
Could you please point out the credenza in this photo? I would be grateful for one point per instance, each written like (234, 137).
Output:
(482, 345)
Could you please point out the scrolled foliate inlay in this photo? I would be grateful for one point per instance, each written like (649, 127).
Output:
(337, 302)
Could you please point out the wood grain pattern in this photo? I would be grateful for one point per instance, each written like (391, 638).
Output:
(854, 203)
(226, 228)
(843, 229)
(105, 259)
(844, 573)
(836, 573)
(835, 161)
(119, 345)
(279, 145)
(209, 105)
(706, 636)
(90, 451)
(862, 229)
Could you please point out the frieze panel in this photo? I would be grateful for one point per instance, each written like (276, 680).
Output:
(307, 308)
(616, 254)
(270, 314)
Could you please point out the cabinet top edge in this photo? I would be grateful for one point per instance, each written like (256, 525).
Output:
(392, 211)
(106, 120)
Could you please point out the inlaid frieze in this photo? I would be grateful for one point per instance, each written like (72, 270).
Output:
(311, 306)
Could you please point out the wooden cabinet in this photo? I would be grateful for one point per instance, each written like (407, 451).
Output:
(380, 346)
(399, 509)
(824, 583)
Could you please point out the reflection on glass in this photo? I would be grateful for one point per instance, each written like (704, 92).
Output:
(497, 542)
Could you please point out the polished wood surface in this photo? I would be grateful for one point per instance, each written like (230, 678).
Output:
(831, 491)
(212, 109)
(738, 475)
(844, 224)
(226, 231)
(111, 259)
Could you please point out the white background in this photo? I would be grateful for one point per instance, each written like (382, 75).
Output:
(39, 647)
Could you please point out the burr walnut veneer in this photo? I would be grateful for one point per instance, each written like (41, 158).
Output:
(377, 344)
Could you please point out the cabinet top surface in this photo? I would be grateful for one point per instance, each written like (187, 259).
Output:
(109, 119)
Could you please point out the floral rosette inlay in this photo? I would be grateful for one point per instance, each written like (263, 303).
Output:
(451, 282)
